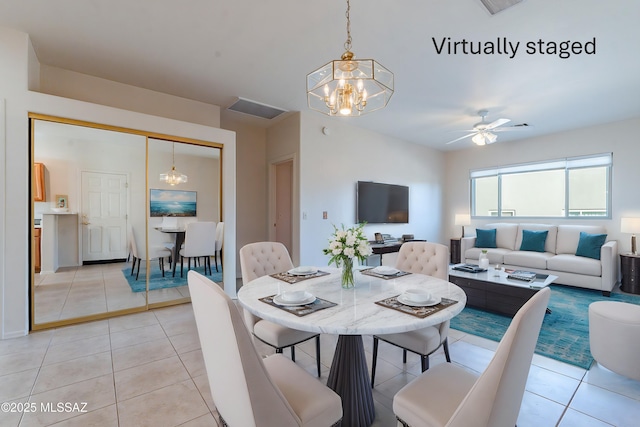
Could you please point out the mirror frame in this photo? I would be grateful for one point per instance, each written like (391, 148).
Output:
(33, 326)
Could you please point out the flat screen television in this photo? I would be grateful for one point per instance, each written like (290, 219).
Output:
(378, 203)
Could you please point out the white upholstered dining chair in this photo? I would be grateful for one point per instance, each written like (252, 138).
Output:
(449, 395)
(260, 259)
(219, 241)
(431, 259)
(199, 241)
(139, 254)
(246, 389)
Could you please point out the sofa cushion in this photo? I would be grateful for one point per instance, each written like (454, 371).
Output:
(495, 255)
(575, 264)
(485, 238)
(528, 259)
(550, 243)
(533, 240)
(505, 234)
(569, 236)
(589, 245)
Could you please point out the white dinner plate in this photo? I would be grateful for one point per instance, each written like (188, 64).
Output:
(385, 271)
(406, 301)
(309, 298)
(303, 271)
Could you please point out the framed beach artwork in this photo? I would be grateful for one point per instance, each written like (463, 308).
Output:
(172, 203)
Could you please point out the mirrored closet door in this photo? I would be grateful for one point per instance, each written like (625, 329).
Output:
(105, 225)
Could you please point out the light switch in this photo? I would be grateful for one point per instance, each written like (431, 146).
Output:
(324, 215)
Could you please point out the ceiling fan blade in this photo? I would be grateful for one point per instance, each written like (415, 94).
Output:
(462, 137)
(497, 123)
(511, 128)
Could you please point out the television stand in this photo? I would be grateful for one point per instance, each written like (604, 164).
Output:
(389, 247)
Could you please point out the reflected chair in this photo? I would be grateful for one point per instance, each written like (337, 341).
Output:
(450, 395)
(219, 240)
(260, 259)
(199, 241)
(138, 254)
(246, 389)
(431, 259)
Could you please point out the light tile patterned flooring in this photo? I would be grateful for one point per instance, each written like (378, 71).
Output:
(91, 289)
(146, 369)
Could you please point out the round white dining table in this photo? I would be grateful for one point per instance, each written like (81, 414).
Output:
(355, 314)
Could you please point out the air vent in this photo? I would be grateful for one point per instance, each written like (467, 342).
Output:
(253, 108)
(495, 6)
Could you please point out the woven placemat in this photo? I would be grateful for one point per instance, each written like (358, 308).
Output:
(421, 312)
(295, 278)
(370, 272)
(301, 310)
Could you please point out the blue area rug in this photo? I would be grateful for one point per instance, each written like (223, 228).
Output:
(565, 331)
(156, 280)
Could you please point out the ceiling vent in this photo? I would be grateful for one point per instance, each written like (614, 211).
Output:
(495, 6)
(253, 108)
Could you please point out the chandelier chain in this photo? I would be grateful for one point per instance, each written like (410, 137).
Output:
(347, 44)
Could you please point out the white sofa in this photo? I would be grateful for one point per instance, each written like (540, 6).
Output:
(558, 259)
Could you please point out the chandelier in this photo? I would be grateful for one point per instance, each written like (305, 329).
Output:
(349, 87)
(173, 177)
(484, 137)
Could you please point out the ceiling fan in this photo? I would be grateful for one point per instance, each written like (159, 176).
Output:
(483, 132)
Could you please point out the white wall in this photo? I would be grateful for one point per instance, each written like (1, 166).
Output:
(251, 183)
(330, 166)
(620, 138)
(69, 84)
(14, 171)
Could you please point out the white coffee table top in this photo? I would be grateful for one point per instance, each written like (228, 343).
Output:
(501, 277)
(356, 312)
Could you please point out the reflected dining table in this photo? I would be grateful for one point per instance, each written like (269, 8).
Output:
(355, 313)
(179, 234)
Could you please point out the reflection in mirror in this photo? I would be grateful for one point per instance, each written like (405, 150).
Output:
(173, 207)
(96, 236)
(83, 245)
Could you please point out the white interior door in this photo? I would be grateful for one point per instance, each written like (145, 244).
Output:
(284, 197)
(104, 216)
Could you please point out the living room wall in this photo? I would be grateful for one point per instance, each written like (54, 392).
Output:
(619, 138)
(330, 166)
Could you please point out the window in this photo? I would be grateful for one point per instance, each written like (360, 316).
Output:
(572, 187)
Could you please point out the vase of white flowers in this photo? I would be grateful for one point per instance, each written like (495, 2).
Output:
(344, 246)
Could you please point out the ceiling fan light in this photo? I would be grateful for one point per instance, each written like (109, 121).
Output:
(490, 137)
(478, 139)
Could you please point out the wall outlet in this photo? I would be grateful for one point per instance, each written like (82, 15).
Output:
(324, 215)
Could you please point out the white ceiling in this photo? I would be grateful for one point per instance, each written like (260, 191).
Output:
(215, 50)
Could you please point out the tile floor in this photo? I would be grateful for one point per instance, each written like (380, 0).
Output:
(146, 369)
(90, 289)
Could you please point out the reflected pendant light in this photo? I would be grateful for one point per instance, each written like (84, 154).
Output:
(349, 87)
(173, 177)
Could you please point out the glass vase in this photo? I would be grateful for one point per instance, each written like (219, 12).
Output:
(347, 273)
(483, 260)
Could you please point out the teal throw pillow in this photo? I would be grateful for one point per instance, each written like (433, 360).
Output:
(486, 238)
(533, 240)
(590, 244)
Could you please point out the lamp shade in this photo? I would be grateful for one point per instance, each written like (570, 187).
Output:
(462, 219)
(630, 225)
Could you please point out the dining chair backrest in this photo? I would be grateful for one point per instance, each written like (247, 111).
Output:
(242, 389)
(199, 239)
(262, 258)
(219, 235)
(495, 398)
(427, 258)
(170, 222)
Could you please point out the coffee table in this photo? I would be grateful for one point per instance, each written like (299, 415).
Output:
(492, 290)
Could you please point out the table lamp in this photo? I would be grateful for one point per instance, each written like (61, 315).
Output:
(462, 220)
(632, 226)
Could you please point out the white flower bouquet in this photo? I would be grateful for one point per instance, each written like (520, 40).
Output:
(344, 246)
